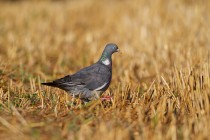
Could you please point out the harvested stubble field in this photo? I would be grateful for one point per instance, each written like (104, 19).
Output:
(160, 84)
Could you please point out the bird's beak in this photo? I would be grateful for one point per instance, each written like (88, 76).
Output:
(118, 50)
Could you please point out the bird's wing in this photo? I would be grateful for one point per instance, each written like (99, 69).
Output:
(94, 77)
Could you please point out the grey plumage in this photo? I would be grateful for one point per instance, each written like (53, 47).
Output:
(90, 82)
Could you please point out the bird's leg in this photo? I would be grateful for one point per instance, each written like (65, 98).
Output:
(72, 100)
(106, 98)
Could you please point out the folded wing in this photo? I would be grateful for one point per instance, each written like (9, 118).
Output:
(95, 77)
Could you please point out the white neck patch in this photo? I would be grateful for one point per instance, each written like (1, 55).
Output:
(106, 62)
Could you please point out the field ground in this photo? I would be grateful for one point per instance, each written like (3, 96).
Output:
(160, 85)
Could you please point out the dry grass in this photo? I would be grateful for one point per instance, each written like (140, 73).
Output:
(161, 83)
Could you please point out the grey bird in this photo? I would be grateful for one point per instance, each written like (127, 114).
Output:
(90, 82)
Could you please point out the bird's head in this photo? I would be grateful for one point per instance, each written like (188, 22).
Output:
(111, 48)
(107, 53)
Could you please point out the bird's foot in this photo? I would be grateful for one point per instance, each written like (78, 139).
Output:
(106, 98)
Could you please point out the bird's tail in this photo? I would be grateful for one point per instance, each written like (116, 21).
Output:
(52, 84)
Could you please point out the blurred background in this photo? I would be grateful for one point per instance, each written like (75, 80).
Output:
(48, 38)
